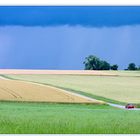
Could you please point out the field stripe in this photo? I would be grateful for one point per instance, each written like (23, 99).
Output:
(57, 72)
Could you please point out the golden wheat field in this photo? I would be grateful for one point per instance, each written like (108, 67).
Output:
(24, 91)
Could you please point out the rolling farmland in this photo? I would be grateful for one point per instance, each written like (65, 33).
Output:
(51, 110)
(121, 86)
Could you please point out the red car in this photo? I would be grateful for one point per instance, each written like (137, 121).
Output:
(129, 106)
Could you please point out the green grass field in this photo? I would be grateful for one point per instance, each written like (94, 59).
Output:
(122, 89)
(44, 118)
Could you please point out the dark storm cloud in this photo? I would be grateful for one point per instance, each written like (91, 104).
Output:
(85, 16)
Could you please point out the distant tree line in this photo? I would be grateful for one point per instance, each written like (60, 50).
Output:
(94, 63)
(132, 66)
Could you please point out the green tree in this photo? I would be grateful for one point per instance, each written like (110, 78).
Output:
(94, 63)
(114, 67)
(132, 66)
(104, 65)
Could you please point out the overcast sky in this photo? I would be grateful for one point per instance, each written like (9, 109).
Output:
(61, 37)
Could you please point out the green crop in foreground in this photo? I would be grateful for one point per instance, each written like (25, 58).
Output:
(43, 118)
(123, 88)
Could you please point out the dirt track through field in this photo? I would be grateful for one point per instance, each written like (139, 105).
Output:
(25, 91)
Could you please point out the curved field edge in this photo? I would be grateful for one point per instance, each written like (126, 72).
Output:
(79, 92)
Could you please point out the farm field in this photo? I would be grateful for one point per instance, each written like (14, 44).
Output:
(45, 118)
(14, 90)
(123, 88)
(70, 115)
